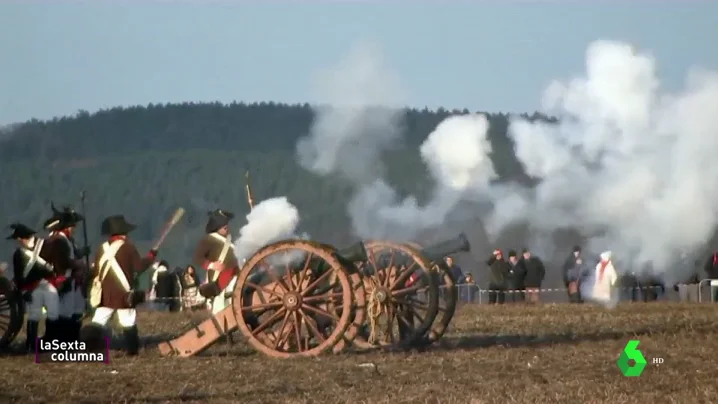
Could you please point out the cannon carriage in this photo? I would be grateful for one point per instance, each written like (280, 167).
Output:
(303, 298)
(12, 312)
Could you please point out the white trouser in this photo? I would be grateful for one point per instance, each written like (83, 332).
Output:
(224, 299)
(126, 317)
(72, 302)
(44, 295)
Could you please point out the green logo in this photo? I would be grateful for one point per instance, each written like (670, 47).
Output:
(631, 352)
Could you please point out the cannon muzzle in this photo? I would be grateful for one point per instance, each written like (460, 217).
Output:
(354, 253)
(437, 252)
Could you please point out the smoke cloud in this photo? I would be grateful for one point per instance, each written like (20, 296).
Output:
(362, 121)
(269, 221)
(629, 166)
(362, 118)
(632, 167)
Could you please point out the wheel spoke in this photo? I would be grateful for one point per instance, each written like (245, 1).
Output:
(322, 298)
(411, 302)
(280, 336)
(389, 268)
(320, 312)
(298, 330)
(270, 321)
(262, 307)
(263, 289)
(312, 326)
(316, 282)
(269, 269)
(403, 276)
(406, 291)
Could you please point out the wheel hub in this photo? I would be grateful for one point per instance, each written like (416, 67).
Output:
(381, 295)
(292, 301)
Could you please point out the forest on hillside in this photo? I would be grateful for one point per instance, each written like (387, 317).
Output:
(145, 161)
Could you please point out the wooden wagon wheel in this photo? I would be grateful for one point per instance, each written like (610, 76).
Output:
(359, 313)
(293, 298)
(12, 312)
(398, 281)
(448, 298)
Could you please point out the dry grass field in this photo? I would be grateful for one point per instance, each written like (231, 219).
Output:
(552, 353)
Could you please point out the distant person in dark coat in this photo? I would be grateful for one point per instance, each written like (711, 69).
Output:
(711, 270)
(471, 288)
(498, 276)
(165, 287)
(688, 288)
(652, 285)
(629, 287)
(535, 273)
(573, 270)
(458, 276)
(517, 276)
(455, 270)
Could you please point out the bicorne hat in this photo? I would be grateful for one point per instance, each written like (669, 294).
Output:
(19, 231)
(116, 226)
(62, 219)
(217, 219)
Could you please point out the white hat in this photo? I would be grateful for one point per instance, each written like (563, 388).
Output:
(606, 256)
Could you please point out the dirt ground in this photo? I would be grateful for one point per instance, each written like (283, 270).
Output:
(511, 354)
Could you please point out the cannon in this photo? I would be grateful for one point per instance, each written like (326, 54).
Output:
(302, 298)
(291, 298)
(449, 295)
(406, 281)
(12, 312)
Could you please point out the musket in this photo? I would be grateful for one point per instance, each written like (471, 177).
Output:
(250, 200)
(88, 272)
(84, 228)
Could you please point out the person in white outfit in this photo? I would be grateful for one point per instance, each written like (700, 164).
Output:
(605, 279)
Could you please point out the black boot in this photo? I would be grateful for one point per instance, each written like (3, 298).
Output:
(61, 331)
(75, 326)
(51, 330)
(132, 340)
(31, 333)
(93, 335)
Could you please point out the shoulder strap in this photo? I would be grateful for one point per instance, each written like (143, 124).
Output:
(225, 248)
(33, 257)
(108, 263)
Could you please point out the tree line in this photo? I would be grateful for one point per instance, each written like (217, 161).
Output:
(144, 161)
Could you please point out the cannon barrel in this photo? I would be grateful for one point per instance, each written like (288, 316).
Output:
(434, 253)
(440, 250)
(347, 256)
(354, 253)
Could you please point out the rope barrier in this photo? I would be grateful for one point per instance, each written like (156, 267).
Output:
(464, 285)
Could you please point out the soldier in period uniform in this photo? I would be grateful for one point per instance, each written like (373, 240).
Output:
(35, 279)
(116, 263)
(215, 253)
(68, 262)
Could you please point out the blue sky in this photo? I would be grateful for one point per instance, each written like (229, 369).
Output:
(59, 57)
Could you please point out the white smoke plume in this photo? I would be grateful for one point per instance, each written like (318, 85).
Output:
(632, 167)
(362, 121)
(269, 221)
(456, 153)
(361, 118)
